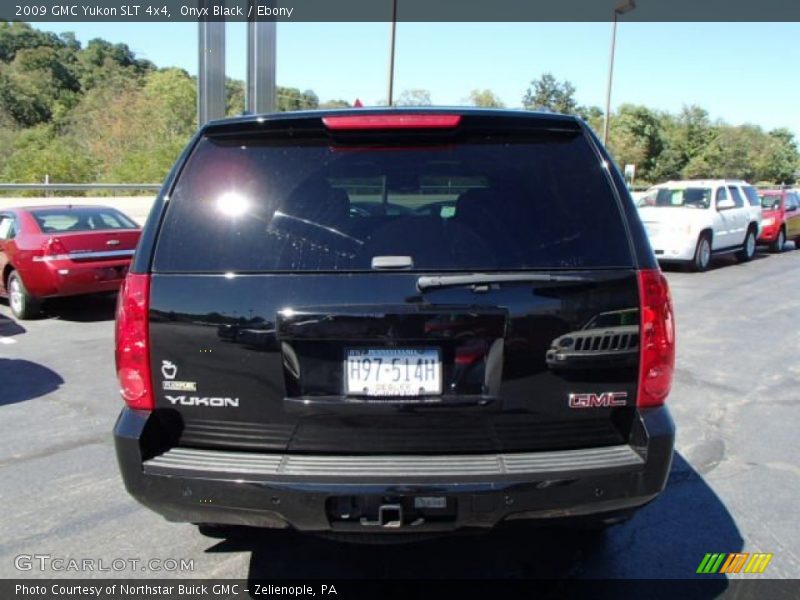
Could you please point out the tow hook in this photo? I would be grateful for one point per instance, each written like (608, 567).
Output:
(389, 516)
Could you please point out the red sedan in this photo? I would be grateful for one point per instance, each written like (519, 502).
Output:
(49, 251)
(781, 218)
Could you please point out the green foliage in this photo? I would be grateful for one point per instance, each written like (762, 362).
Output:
(37, 153)
(485, 98)
(683, 146)
(779, 161)
(550, 94)
(414, 98)
(235, 97)
(635, 137)
(335, 104)
(592, 115)
(99, 113)
(293, 99)
(17, 36)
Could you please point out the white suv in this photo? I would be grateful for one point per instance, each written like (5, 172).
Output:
(688, 221)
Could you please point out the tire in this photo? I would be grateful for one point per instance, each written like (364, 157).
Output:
(22, 304)
(748, 247)
(702, 254)
(779, 243)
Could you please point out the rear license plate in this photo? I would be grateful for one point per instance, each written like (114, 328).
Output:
(393, 372)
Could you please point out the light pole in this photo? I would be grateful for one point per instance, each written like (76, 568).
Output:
(391, 53)
(620, 9)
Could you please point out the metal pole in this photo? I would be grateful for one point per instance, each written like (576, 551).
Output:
(610, 77)
(391, 53)
(210, 69)
(261, 48)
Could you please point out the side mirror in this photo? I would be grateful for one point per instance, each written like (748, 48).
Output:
(725, 204)
(791, 208)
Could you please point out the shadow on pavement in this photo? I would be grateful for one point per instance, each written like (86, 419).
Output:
(22, 380)
(719, 262)
(9, 327)
(666, 539)
(82, 309)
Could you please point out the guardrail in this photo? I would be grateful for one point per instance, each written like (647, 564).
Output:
(78, 187)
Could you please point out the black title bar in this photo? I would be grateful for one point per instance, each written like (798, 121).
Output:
(407, 10)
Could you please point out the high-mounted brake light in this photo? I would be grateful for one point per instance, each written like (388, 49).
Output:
(406, 121)
(657, 343)
(133, 342)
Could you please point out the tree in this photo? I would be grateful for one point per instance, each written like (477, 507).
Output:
(97, 113)
(780, 161)
(134, 131)
(37, 152)
(16, 36)
(485, 98)
(35, 83)
(234, 92)
(685, 138)
(593, 115)
(174, 91)
(551, 94)
(635, 138)
(416, 97)
(8, 131)
(293, 99)
(730, 153)
(335, 104)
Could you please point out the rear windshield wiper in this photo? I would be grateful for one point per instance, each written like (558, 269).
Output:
(427, 282)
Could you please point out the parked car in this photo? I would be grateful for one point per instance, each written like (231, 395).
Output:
(49, 251)
(378, 398)
(690, 221)
(781, 218)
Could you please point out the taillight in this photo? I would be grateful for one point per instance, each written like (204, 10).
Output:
(657, 343)
(400, 121)
(52, 250)
(133, 343)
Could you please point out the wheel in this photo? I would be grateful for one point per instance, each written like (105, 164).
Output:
(748, 248)
(780, 241)
(23, 305)
(702, 254)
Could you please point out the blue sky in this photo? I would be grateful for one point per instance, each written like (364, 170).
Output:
(739, 72)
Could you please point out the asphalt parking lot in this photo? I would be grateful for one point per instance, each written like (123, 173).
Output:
(734, 483)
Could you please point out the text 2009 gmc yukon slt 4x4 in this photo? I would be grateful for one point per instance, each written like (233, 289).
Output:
(340, 322)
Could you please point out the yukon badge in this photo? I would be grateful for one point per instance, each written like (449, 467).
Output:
(604, 400)
(214, 402)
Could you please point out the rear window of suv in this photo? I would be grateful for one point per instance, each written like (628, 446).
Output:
(690, 197)
(258, 205)
(752, 195)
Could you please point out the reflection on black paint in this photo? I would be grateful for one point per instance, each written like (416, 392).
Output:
(608, 340)
(279, 341)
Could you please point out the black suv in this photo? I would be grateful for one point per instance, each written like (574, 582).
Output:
(352, 321)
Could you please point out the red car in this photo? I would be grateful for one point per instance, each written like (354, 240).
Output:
(49, 251)
(781, 218)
